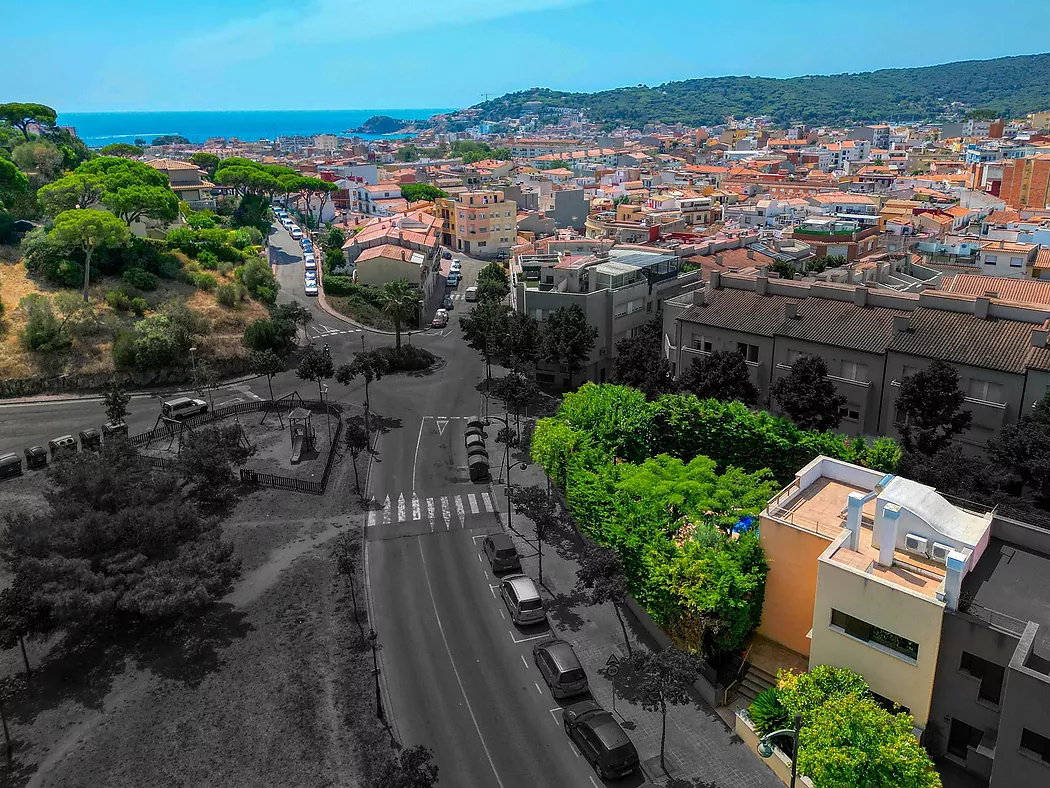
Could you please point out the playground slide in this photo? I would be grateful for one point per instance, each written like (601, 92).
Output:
(297, 449)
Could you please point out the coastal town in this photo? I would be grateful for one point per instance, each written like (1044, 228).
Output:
(521, 446)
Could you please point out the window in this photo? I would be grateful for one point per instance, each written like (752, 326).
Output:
(793, 356)
(699, 343)
(482, 243)
(849, 414)
(962, 736)
(869, 633)
(749, 352)
(1035, 744)
(989, 259)
(851, 370)
(985, 390)
(1017, 262)
(649, 306)
(990, 674)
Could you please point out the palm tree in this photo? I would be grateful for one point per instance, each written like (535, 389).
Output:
(400, 302)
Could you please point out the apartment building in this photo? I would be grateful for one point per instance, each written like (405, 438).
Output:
(870, 338)
(377, 199)
(187, 181)
(619, 290)
(479, 223)
(1026, 182)
(943, 609)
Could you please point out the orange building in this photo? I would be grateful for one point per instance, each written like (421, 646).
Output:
(1026, 182)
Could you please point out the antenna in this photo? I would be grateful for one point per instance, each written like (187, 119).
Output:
(486, 96)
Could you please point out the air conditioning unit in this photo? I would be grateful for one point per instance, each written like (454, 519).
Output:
(914, 543)
(939, 552)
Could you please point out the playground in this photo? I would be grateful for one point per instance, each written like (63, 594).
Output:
(291, 441)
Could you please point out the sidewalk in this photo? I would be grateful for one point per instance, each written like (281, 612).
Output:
(701, 750)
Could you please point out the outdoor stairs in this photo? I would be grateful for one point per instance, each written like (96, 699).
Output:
(755, 681)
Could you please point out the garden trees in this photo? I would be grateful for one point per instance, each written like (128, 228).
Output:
(401, 303)
(122, 149)
(208, 162)
(13, 183)
(601, 576)
(722, 375)
(316, 366)
(664, 678)
(568, 339)
(486, 329)
(931, 404)
(118, 544)
(207, 458)
(88, 229)
(116, 401)
(1024, 448)
(641, 363)
(41, 160)
(370, 365)
(21, 115)
(133, 190)
(413, 192)
(807, 396)
(270, 334)
(492, 283)
(76, 190)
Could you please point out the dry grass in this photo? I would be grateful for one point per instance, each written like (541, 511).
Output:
(91, 352)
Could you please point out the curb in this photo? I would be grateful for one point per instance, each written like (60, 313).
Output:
(323, 303)
(48, 399)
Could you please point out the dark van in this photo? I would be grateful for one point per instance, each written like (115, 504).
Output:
(502, 555)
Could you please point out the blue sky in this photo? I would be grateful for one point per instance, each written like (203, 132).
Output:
(348, 54)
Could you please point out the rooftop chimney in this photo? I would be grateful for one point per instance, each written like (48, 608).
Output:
(750, 254)
(980, 307)
(719, 259)
(955, 568)
(860, 295)
(901, 324)
(886, 532)
(699, 296)
(761, 281)
(715, 280)
(854, 509)
(790, 310)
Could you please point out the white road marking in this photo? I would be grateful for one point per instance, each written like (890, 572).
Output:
(455, 670)
(446, 515)
(479, 558)
(401, 508)
(546, 634)
(459, 509)
(473, 501)
(492, 588)
(487, 502)
(538, 688)
(386, 511)
(371, 518)
(430, 510)
(475, 537)
(441, 424)
(415, 460)
(523, 662)
(416, 515)
(503, 614)
(554, 714)
(593, 782)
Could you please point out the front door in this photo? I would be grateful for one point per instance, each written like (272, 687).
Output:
(962, 736)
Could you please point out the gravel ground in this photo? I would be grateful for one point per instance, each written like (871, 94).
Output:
(274, 688)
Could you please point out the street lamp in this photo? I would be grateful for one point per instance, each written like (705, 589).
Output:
(373, 636)
(193, 364)
(765, 745)
(506, 454)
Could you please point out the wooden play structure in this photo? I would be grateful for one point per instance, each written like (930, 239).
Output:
(300, 425)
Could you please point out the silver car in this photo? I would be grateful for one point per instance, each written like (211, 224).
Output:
(522, 600)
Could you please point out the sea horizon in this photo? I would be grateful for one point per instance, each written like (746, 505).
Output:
(105, 127)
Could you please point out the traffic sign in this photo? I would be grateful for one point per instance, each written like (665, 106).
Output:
(612, 661)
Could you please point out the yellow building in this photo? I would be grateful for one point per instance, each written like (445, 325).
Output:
(1039, 120)
(479, 223)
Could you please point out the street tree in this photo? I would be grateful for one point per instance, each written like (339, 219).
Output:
(13, 183)
(117, 545)
(323, 191)
(516, 391)
(268, 363)
(370, 365)
(492, 283)
(22, 115)
(601, 576)
(76, 190)
(568, 339)
(521, 343)
(88, 229)
(317, 366)
(808, 397)
(401, 303)
(664, 678)
(346, 551)
(122, 149)
(292, 312)
(207, 458)
(641, 363)
(414, 767)
(537, 505)
(931, 404)
(486, 329)
(357, 441)
(116, 400)
(722, 375)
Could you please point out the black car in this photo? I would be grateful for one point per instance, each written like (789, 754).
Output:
(446, 255)
(446, 302)
(600, 739)
(502, 555)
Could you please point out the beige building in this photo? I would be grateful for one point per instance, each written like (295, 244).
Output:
(388, 248)
(479, 223)
(187, 182)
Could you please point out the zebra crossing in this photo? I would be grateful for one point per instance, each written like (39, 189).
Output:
(441, 512)
(319, 331)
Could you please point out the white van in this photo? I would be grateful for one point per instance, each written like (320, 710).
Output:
(472, 294)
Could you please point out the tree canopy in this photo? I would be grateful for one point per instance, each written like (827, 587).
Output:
(414, 192)
(641, 363)
(931, 404)
(722, 375)
(807, 396)
(88, 230)
(122, 149)
(22, 115)
(568, 339)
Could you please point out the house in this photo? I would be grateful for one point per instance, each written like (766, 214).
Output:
(409, 246)
(1003, 258)
(379, 199)
(479, 223)
(187, 181)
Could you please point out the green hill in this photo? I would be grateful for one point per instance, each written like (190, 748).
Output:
(1011, 85)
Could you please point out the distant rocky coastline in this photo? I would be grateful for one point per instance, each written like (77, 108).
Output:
(384, 124)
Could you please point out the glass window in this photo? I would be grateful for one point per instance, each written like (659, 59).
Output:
(851, 370)
(1016, 262)
(990, 674)
(989, 259)
(1036, 744)
(849, 414)
(869, 633)
(749, 352)
(985, 390)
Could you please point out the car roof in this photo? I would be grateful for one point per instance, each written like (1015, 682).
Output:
(607, 729)
(178, 401)
(523, 586)
(562, 654)
(501, 540)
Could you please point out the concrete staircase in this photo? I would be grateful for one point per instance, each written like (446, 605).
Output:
(755, 681)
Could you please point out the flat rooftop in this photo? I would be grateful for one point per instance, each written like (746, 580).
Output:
(908, 572)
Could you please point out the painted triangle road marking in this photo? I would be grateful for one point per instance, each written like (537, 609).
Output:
(442, 423)
(386, 511)
(401, 508)
(446, 515)
(487, 501)
(415, 508)
(459, 508)
(430, 509)
(371, 518)
(472, 499)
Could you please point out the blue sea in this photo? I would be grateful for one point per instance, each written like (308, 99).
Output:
(103, 128)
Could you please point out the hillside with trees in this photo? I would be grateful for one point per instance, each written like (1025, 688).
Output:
(1010, 86)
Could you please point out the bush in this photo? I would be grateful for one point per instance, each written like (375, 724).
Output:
(44, 332)
(767, 712)
(225, 268)
(342, 286)
(269, 334)
(140, 278)
(118, 300)
(139, 306)
(51, 261)
(124, 350)
(410, 358)
(230, 294)
(208, 260)
(184, 239)
(258, 280)
(205, 282)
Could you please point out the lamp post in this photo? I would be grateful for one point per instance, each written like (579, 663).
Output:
(765, 745)
(193, 364)
(373, 636)
(506, 454)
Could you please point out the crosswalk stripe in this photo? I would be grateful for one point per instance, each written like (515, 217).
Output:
(386, 511)
(445, 515)
(472, 499)
(487, 501)
(415, 508)
(430, 509)
(401, 508)
(371, 518)
(459, 508)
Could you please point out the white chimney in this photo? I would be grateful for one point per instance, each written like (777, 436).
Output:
(860, 295)
(699, 296)
(886, 532)
(854, 509)
(761, 282)
(790, 310)
(980, 307)
(955, 568)
(715, 280)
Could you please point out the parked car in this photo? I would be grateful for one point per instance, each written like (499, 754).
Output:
(311, 288)
(181, 407)
(296, 233)
(503, 556)
(309, 278)
(440, 320)
(453, 279)
(600, 739)
(446, 255)
(310, 263)
(446, 302)
(560, 668)
(472, 294)
(522, 599)
(456, 266)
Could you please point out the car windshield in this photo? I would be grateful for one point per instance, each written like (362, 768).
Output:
(507, 552)
(531, 604)
(576, 674)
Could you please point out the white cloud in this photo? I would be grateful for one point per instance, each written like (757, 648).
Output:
(287, 31)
